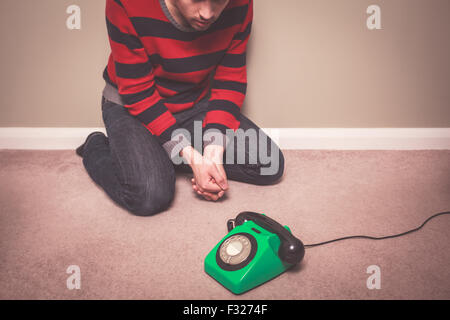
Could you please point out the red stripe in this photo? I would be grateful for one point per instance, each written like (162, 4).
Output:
(164, 92)
(124, 55)
(161, 124)
(132, 86)
(118, 17)
(192, 77)
(220, 94)
(145, 8)
(238, 46)
(231, 74)
(221, 117)
(141, 106)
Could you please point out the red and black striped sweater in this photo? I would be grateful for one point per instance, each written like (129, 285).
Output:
(156, 69)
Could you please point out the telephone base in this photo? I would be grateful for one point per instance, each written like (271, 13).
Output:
(245, 258)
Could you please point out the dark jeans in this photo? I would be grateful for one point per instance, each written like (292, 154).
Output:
(137, 173)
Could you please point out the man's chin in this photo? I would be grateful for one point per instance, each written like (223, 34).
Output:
(199, 27)
(202, 29)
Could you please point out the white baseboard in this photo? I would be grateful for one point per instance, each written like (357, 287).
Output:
(361, 138)
(44, 138)
(286, 138)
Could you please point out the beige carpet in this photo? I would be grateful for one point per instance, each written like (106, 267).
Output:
(52, 216)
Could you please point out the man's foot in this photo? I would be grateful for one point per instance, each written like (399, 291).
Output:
(80, 149)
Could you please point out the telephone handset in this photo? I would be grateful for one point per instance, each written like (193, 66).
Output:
(255, 250)
(291, 249)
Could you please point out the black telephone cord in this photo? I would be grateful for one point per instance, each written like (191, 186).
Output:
(378, 238)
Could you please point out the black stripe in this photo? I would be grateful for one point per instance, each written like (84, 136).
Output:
(225, 105)
(130, 41)
(244, 34)
(185, 97)
(187, 91)
(189, 64)
(136, 97)
(166, 135)
(149, 27)
(152, 113)
(230, 85)
(217, 126)
(177, 86)
(119, 3)
(133, 71)
(234, 60)
(107, 78)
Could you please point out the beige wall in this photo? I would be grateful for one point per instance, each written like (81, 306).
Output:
(312, 63)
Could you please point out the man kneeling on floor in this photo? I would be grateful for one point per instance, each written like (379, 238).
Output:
(177, 66)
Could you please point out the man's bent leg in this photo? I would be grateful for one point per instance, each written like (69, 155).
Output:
(133, 168)
(253, 157)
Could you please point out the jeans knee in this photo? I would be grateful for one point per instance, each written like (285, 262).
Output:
(271, 172)
(144, 201)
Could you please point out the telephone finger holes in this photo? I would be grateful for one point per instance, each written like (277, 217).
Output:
(236, 251)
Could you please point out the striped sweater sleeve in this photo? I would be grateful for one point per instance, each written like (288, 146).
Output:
(135, 78)
(229, 85)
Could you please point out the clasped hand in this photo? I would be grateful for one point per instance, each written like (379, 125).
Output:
(210, 179)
